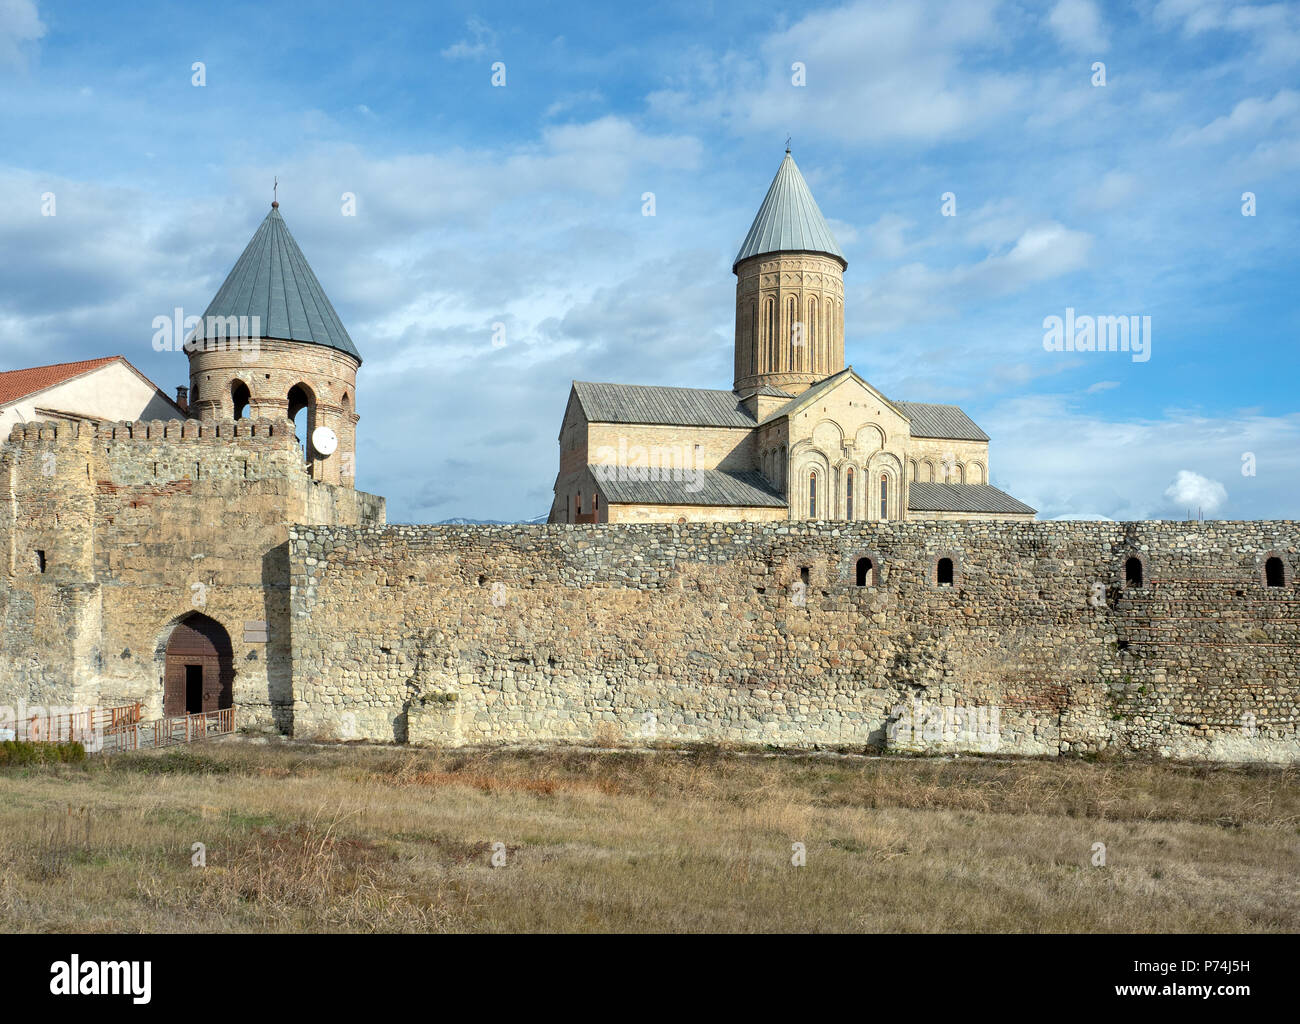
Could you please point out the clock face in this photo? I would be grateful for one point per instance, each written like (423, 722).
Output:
(324, 441)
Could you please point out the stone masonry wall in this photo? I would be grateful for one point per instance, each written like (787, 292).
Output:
(113, 533)
(708, 632)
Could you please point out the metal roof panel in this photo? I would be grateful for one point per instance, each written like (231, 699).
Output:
(622, 485)
(925, 497)
(638, 403)
(942, 421)
(789, 219)
(272, 280)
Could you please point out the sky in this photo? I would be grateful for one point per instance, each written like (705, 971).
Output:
(985, 167)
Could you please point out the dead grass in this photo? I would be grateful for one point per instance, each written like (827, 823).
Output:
(361, 838)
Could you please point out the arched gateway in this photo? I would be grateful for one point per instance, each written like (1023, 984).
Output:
(199, 671)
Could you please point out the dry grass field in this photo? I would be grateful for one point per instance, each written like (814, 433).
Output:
(318, 838)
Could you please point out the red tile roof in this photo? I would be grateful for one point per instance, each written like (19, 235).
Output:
(16, 384)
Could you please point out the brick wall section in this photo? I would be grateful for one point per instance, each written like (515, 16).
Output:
(697, 632)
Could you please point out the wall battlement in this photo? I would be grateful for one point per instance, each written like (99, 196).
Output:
(152, 430)
(112, 533)
(760, 633)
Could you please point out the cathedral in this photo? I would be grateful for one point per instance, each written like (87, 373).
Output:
(799, 435)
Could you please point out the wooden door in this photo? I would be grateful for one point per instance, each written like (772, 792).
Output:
(199, 672)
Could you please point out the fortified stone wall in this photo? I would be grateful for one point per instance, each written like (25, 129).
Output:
(708, 632)
(113, 533)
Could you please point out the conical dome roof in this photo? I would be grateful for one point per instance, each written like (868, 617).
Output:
(273, 281)
(788, 220)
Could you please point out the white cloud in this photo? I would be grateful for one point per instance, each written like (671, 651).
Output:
(1273, 28)
(1113, 190)
(581, 98)
(1048, 451)
(1252, 115)
(484, 39)
(887, 237)
(906, 70)
(1196, 492)
(1077, 25)
(20, 25)
(915, 292)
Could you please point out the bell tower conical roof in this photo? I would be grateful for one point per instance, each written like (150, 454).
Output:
(788, 220)
(273, 281)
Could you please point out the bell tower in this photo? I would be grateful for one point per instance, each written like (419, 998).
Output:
(272, 346)
(789, 292)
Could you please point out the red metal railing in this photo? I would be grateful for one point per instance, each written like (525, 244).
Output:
(117, 728)
(80, 725)
(167, 732)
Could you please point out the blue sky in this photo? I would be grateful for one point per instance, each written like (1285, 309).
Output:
(522, 205)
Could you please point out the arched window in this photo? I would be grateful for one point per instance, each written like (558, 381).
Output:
(1133, 572)
(884, 496)
(866, 573)
(753, 337)
(812, 495)
(302, 410)
(239, 398)
(579, 503)
(1274, 573)
(848, 495)
(770, 337)
(796, 342)
(812, 335)
(595, 504)
(943, 572)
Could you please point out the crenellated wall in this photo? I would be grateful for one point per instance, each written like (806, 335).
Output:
(712, 632)
(113, 533)
(708, 632)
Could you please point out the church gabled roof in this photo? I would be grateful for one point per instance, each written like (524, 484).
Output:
(925, 497)
(273, 281)
(941, 421)
(713, 487)
(820, 388)
(641, 403)
(788, 220)
(925, 419)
